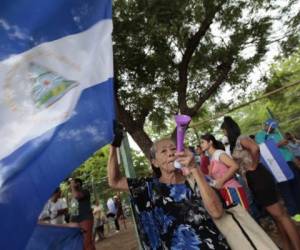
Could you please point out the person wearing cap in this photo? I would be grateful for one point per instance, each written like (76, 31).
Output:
(289, 190)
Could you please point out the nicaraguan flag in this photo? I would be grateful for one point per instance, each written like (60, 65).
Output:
(56, 101)
(50, 237)
(272, 158)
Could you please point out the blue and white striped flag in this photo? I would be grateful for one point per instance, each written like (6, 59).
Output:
(272, 158)
(56, 101)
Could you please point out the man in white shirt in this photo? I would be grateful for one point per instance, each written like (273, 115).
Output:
(55, 209)
(112, 211)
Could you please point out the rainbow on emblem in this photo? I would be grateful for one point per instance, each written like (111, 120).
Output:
(47, 86)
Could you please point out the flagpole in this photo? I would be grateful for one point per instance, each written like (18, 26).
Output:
(130, 173)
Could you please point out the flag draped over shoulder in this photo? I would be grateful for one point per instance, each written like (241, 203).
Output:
(274, 161)
(56, 101)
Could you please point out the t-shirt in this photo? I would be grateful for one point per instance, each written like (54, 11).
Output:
(219, 169)
(242, 156)
(294, 147)
(98, 216)
(204, 162)
(51, 210)
(217, 154)
(262, 136)
(111, 206)
(172, 216)
(80, 208)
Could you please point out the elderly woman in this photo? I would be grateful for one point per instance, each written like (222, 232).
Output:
(169, 213)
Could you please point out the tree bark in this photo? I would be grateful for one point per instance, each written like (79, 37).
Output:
(191, 47)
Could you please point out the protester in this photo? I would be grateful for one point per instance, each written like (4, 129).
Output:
(222, 170)
(55, 209)
(260, 181)
(120, 212)
(204, 160)
(169, 213)
(293, 145)
(81, 212)
(99, 220)
(112, 212)
(289, 190)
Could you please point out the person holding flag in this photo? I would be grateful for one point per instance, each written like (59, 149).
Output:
(289, 189)
(260, 181)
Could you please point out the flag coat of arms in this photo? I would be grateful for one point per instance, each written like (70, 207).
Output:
(272, 158)
(56, 101)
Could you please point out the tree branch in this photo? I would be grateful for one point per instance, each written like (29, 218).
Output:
(224, 70)
(191, 46)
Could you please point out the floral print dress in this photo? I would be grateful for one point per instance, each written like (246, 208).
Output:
(172, 216)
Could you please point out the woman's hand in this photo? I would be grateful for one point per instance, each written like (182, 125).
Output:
(186, 159)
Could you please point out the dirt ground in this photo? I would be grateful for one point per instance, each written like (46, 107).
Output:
(126, 238)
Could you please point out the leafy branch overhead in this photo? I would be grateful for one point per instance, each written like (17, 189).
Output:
(175, 54)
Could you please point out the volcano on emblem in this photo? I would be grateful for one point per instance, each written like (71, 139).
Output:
(47, 87)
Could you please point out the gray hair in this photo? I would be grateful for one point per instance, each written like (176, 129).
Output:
(153, 148)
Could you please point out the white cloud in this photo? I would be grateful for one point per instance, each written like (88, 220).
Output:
(15, 32)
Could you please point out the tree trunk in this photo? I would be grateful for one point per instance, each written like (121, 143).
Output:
(142, 139)
(134, 128)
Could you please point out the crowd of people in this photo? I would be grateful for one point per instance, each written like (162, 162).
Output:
(182, 208)
(79, 212)
(171, 214)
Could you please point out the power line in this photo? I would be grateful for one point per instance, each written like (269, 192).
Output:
(197, 124)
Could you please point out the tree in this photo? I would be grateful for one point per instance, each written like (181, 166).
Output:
(93, 173)
(284, 105)
(174, 55)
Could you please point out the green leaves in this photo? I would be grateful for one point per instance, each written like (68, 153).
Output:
(176, 54)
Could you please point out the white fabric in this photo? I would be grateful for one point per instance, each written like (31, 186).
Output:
(217, 154)
(51, 210)
(111, 206)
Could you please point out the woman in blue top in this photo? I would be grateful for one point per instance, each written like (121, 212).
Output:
(169, 213)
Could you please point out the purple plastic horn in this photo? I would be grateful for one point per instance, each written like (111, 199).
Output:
(182, 121)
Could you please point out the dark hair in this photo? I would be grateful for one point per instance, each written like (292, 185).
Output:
(216, 144)
(233, 131)
(79, 181)
(192, 149)
(252, 137)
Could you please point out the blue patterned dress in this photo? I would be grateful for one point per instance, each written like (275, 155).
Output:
(172, 216)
